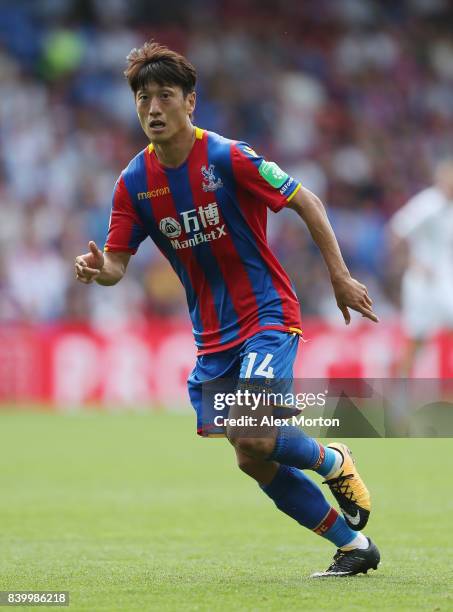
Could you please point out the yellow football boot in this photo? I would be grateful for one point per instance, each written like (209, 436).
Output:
(349, 490)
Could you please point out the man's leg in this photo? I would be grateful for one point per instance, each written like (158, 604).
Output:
(290, 446)
(299, 497)
(411, 350)
(271, 354)
(261, 471)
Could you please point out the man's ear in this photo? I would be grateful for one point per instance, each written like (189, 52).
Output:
(191, 100)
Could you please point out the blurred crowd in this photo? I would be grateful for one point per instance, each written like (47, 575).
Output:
(353, 97)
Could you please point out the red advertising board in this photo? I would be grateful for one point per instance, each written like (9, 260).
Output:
(147, 365)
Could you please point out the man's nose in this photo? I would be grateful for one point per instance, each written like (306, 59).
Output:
(154, 108)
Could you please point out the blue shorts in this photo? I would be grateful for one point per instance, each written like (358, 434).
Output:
(265, 358)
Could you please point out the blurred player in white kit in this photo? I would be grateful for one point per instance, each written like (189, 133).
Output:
(425, 225)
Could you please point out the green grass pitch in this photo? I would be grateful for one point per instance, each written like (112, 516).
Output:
(135, 512)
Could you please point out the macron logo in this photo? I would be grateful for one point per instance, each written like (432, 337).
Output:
(160, 191)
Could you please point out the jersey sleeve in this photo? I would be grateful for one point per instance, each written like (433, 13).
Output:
(126, 231)
(263, 179)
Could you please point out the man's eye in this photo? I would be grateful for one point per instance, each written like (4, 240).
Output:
(165, 95)
(143, 97)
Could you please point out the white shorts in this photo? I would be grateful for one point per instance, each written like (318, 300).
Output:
(427, 307)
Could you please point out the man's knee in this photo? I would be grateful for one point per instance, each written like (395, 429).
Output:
(256, 448)
(246, 464)
(261, 470)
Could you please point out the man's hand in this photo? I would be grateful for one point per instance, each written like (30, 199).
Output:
(349, 293)
(89, 266)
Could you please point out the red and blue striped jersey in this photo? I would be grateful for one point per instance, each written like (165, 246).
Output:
(208, 218)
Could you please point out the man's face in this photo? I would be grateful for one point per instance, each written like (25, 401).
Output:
(163, 111)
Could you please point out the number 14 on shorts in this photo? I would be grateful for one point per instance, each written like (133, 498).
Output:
(262, 369)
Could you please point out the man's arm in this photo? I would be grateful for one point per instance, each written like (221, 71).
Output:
(349, 293)
(104, 268)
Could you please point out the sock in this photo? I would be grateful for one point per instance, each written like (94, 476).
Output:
(330, 460)
(293, 447)
(360, 541)
(300, 498)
